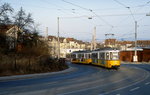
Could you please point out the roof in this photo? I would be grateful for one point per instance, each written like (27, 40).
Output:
(51, 37)
(70, 39)
(61, 39)
(56, 38)
(5, 28)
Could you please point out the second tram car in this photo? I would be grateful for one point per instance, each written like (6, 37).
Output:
(81, 57)
(108, 58)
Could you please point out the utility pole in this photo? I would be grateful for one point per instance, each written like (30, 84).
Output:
(93, 43)
(135, 57)
(46, 34)
(58, 43)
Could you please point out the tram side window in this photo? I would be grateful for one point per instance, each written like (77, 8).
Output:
(101, 56)
(86, 56)
(79, 55)
(82, 55)
(89, 55)
(94, 55)
(73, 56)
(107, 56)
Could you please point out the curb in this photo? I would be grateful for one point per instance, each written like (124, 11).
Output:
(135, 63)
(29, 76)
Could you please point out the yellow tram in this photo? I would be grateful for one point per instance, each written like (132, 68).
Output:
(81, 57)
(107, 57)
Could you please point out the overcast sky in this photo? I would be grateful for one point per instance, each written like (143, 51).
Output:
(109, 16)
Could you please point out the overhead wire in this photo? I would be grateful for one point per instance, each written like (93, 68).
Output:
(121, 3)
(61, 9)
(144, 4)
(90, 10)
(76, 5)
(129, 8)
(99, 15)
(141, 8)
(131, 11)
(69, 17)
(132, 14)
(126, 35)
(126, 7)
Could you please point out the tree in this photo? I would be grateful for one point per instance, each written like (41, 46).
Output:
(23, 20)
(28, 38)
(35, 33)
(5, 9)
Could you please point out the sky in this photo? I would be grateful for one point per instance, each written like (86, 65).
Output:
(108, 16)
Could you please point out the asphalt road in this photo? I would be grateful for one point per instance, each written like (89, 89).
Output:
(130, 79)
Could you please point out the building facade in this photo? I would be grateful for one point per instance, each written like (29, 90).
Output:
(67, 46)
(11, 31)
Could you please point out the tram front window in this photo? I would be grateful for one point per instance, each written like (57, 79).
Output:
(114, 55)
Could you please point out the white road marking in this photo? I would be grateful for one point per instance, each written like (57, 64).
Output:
(147, 83)
(134, 89)
(92, 87)
(117, 94)
(147, 75)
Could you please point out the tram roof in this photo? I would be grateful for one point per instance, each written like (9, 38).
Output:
(86, 51)
(106, 49)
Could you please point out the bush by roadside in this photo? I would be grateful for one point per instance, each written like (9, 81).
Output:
(18, 65)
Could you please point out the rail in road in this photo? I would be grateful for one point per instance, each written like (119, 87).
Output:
(84, 80)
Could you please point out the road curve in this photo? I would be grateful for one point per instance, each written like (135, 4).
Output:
(83, 80)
